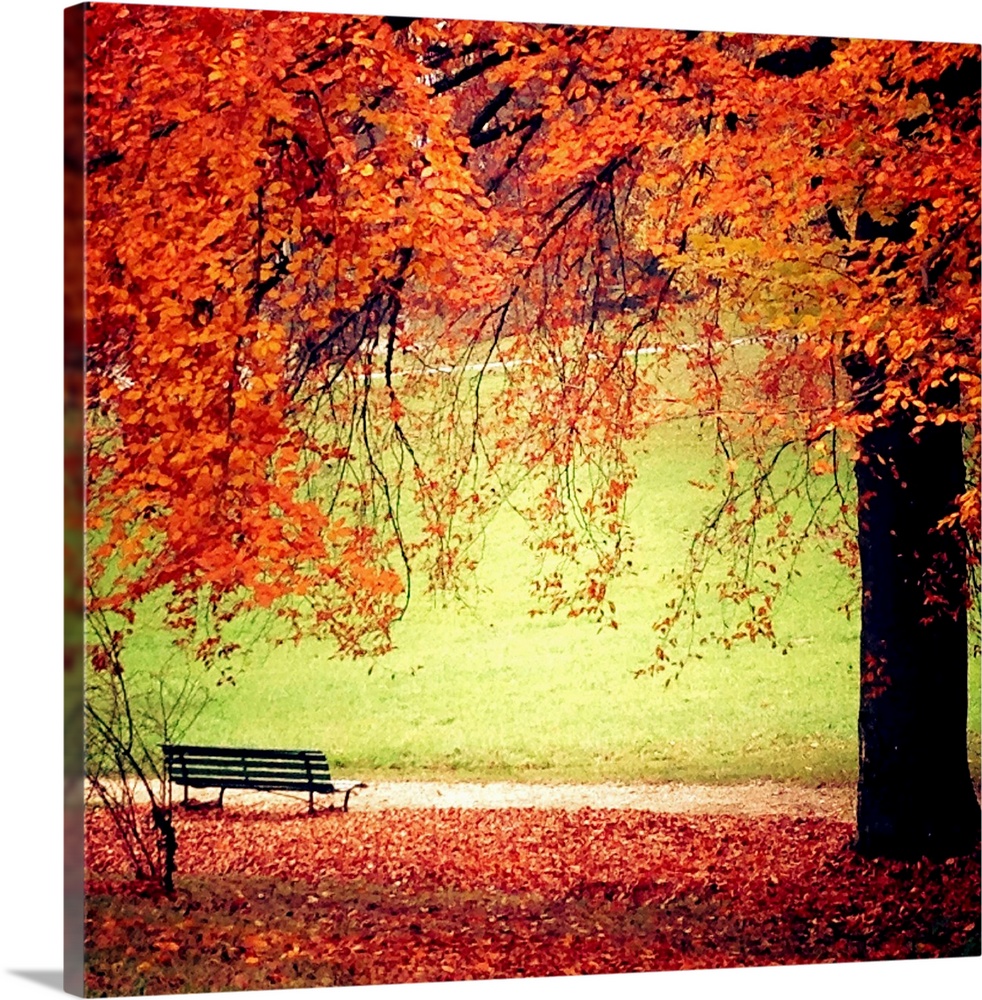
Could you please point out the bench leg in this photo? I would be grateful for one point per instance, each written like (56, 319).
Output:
(221, 795)
(310, 804)
(346, 794)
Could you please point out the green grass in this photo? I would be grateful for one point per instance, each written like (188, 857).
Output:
(479, 689)
(483, 690)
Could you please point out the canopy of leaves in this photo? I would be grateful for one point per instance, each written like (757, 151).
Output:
(311, 238)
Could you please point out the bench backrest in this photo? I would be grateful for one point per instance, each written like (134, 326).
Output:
(240, 767)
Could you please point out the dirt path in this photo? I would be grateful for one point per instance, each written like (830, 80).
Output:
(755, 798)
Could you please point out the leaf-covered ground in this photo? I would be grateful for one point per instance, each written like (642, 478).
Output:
(272, 898)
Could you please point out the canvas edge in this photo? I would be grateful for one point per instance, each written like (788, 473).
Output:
(74, 194)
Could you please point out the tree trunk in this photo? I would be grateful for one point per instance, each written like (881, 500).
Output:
(915, 793)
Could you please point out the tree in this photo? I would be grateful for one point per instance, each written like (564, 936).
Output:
(124, 770)
(298, 223)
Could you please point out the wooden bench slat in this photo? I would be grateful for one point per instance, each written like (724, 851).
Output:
(204, 774)
(260, 766)
(325, 787)
(238, 752)
(263, 785)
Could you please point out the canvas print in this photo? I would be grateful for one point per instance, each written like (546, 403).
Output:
(531, 499)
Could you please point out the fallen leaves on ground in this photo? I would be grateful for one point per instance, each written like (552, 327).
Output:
(275, 899)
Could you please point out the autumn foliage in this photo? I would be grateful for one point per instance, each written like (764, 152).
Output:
(299, 226)
(311, 240)
(354, 283)
(428, 895)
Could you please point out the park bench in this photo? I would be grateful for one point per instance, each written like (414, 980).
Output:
(259, 770)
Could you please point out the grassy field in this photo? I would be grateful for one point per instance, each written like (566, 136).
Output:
(479, 689)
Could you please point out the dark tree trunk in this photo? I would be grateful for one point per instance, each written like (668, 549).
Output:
(168, 847)
(916, 796)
